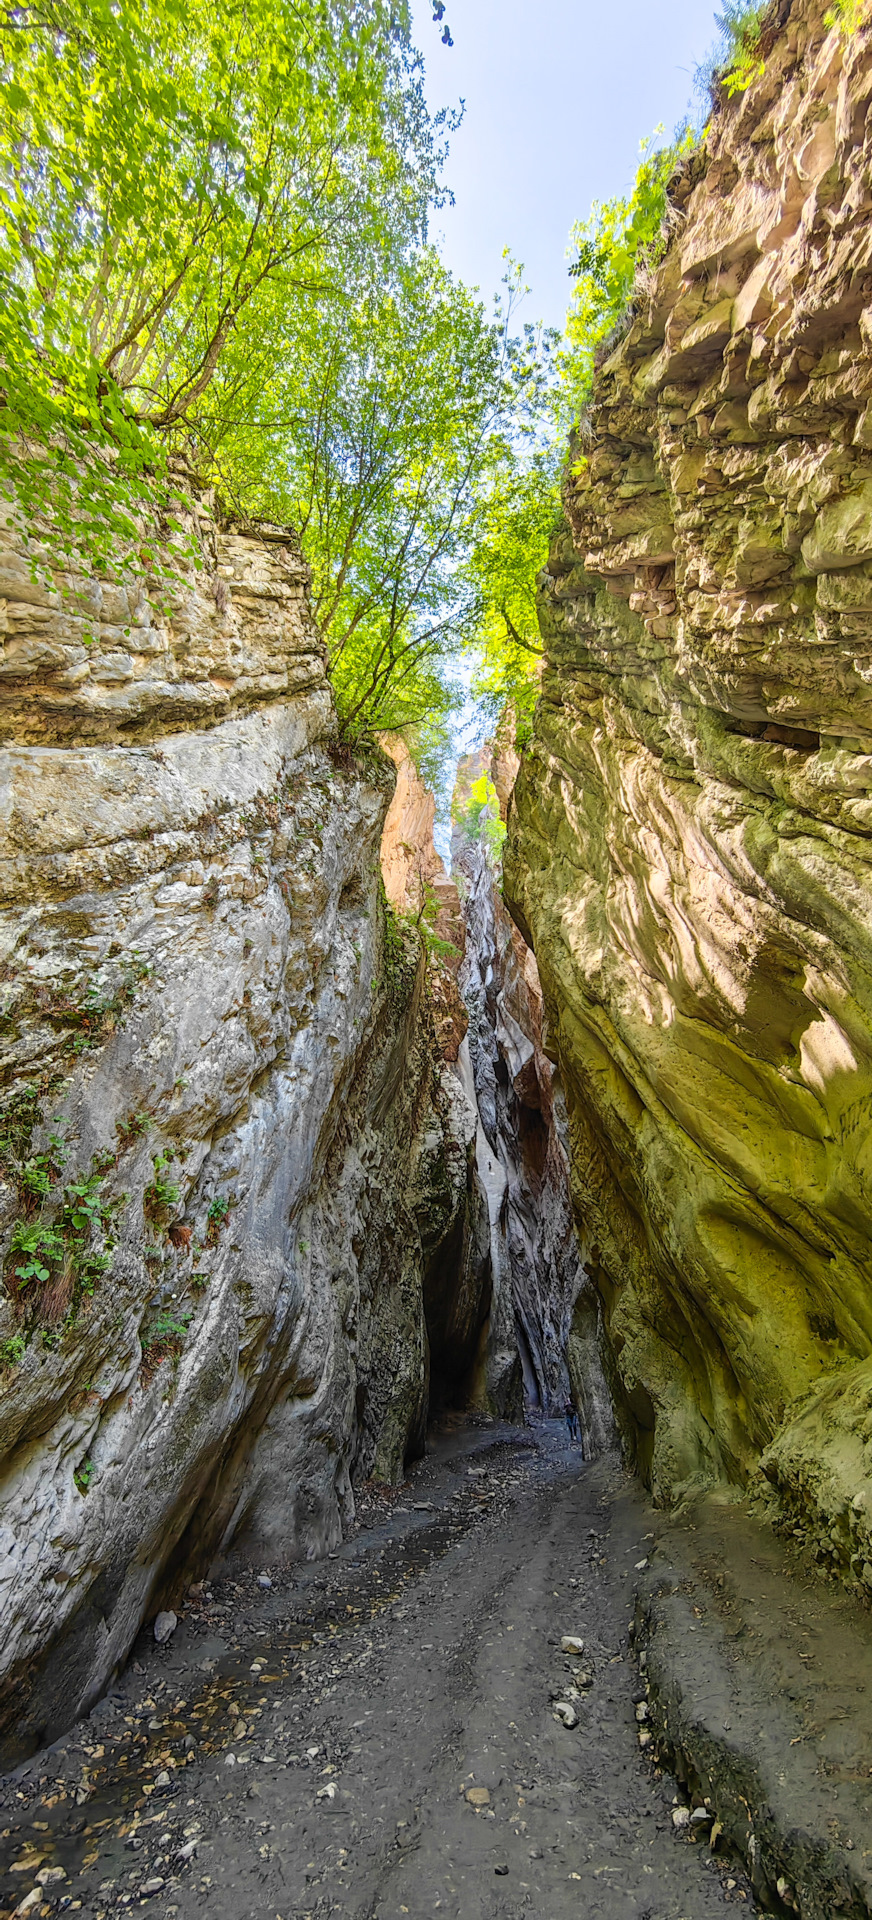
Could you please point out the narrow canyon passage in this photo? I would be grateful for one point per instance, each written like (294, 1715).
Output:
(374, 1735)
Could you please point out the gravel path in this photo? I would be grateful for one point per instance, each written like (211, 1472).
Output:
(375, 1736)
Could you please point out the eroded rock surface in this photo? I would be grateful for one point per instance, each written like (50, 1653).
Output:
(552, 1336)
(690, 851)
(473, 1355)
(229, 1158)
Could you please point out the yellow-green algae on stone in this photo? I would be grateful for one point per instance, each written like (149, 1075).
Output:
(690, 849)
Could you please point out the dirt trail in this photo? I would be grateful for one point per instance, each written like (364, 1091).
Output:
(394, 1752)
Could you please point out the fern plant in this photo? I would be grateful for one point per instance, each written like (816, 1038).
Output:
(740, 22)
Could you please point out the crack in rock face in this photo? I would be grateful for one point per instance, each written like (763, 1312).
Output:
(552, 1320)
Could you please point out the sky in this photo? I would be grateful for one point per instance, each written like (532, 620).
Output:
(558, 95)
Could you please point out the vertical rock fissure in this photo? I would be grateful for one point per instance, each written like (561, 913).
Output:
(551, 1321)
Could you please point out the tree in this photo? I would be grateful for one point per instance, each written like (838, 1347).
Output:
(373, 427)
(169, 169)
(517, 511)
(518, 505)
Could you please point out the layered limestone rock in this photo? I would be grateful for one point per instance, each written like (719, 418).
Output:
(470, 1330)
(691, 853)
(417, 885)
(552, 1336)
(229, 1160)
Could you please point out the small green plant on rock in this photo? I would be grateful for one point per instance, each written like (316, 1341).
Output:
(18, 1121)
(619, 239)
(36, 1249)
(161, 1193)
(740, 22)
(12, 1351)
(162, 1339)
(847, 14)
(92, 1018)
(60, 1245)
(83, 1475)
(394, 956)
(41, 1172)
(131, 1128)
(215, 1218)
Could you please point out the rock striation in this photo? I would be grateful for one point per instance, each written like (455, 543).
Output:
(552, 1336)
(690, 850)
(464, 1309)
(230, 1158)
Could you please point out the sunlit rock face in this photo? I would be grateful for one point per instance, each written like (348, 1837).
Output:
(228, 1156)
(689, 851)
(417, 885)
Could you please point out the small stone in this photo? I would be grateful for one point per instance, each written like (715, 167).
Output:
(153, 1885)
(162, 1779)
(264, 1582)
(858, 1503)
(565, 1712)
(642, 1712)
(478, 1796)
(164, 1626)
(31, 1901)
(701, 1817)
(644, 1737)
(328, 1792)
(501, 1869)
(681, 1817)
(229, 1759)
(641, 1564)
(571, 1643)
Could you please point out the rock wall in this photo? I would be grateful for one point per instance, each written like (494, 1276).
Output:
(471, 1335)
(416, 884)
(552, 1337)
(230, 1158)
(690, 849)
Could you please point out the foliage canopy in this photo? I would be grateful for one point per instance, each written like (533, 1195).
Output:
(167, 169)
(369, 424)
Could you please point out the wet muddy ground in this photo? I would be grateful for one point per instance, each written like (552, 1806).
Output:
(375, 1735)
